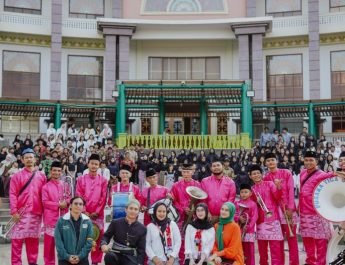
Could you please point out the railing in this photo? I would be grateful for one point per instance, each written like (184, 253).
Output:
(333, 137)
(332, 18)
(79, 23)
(186, 141)
(24, 19)
(290, 22)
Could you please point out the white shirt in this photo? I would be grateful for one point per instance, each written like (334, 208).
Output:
(88, 132)
(207, 242)
(99, 172)
(51, 131)
(105, 172)
(154, 246)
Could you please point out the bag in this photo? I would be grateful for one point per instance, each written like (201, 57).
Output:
(121, 249)
(27, 183)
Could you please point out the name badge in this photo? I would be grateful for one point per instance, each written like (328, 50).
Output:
(84, 225)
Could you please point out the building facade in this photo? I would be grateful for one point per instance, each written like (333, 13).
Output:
(77, 50)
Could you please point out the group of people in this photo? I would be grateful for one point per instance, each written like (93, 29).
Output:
(73, 146)
(222, 230)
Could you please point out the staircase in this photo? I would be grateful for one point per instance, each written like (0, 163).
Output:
(5, 216)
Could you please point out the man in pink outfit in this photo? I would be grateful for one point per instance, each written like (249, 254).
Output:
(152, 194)
(93, 188)
(55, 199)
(25, 198)
(267, 194)
(220, 189)
(315, 230)
(182, 199)
(287, 204)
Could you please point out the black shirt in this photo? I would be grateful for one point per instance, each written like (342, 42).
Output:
(76, 224)
(131, 235)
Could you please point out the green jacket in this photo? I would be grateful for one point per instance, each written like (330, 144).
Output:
(66, 240)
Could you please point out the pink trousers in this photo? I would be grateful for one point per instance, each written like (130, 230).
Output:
(31, 250)
(275, 249)
(97, 254)
(49, 250)
(249, 254)
(316, 250)
(292, 243)
(181, 254)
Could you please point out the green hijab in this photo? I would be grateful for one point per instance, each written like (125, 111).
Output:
(223, 221)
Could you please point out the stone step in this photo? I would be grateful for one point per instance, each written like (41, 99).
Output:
(4, 212)
(5, 205)
(5, 218)
(5, 200)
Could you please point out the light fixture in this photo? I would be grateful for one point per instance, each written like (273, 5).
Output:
(250, 93)
(115, 93)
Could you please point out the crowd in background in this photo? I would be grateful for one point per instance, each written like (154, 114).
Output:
(72, 146)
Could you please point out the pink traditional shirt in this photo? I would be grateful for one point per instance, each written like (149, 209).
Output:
(52, 194)
(180, 196)
(219, 191)
(270, 196)
(268, 228)
(156, 193)
(307, 189)
(252, 213)
(288, 196)
(312, 225)
(126, 188)
(31, 196)
(94, 190)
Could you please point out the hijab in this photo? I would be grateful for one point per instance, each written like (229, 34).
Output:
(222, 222)
(161, 223)
(202, 224)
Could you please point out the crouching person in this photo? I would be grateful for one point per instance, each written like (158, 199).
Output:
(73, 235)
(129, 238)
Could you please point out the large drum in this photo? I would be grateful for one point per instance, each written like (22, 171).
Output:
(329, 203)
(172, 211)
(119, 202)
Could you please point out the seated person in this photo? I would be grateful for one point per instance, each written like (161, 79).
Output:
(227, 247)
(129, 238)
(163, 239)
(199, 238)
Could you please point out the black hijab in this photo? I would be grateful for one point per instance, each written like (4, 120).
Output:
(202, 224)
(161, 223)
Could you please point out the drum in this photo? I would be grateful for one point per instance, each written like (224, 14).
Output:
(172, 211)
(108, 216)
(119, 202)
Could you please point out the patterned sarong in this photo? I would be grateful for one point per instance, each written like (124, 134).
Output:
(29, 225)
(269, 231)
(49, 230)
(249, 237)
(315, 227)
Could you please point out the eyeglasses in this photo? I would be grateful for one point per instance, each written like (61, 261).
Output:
(78, 203)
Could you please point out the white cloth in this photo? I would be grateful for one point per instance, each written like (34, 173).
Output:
(88, 132)
(105, 172)
(207, 242)
(99, 172)
(154, 246)
(51, 131)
